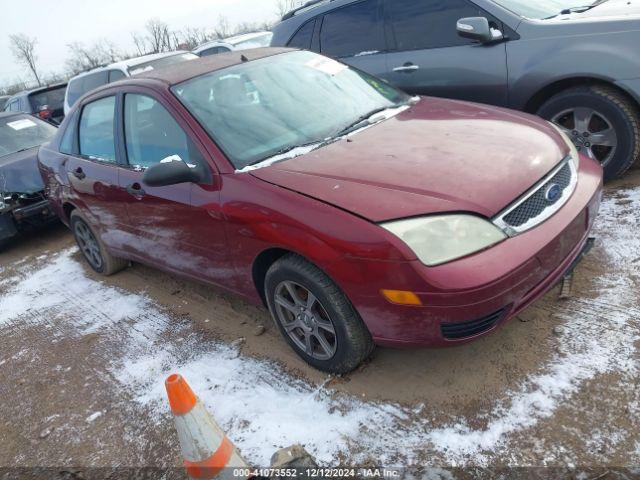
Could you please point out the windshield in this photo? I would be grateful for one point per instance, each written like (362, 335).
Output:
(161, 62)
(541, 9)
(262, 108)
(21, 132)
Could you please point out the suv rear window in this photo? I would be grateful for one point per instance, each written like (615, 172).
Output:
(81, 85)
(161, 62)
(351, 30)
(54, 99)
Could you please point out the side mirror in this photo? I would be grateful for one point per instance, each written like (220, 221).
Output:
(170, 171)
(478, 29)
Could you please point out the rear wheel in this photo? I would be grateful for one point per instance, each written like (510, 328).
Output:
(92, 248)
(315, 316)
(601, 122)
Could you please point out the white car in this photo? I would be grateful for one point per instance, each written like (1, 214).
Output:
(87, 81)
(240, 42)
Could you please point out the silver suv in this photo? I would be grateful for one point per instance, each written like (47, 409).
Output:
(571, 62)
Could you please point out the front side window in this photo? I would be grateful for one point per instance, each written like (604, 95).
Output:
(152, 134)
(14, 106)
(259, 109)
(352, 30)
(97, 139)
(424, 24)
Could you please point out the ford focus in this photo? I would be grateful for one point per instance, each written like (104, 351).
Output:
(358, 215)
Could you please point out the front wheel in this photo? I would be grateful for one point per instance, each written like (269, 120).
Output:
(315, 316)
(602, 123)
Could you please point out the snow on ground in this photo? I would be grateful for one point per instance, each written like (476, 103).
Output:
(262, 407)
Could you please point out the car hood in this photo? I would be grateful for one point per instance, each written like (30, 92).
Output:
(19, 172)
(438, 156)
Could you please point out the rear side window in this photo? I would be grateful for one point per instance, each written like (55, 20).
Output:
(152, 134)
(97, 139)
(352, 30)
(115, 75)
(425, 24)
(79, 86)
(303, 38)
(14, 106)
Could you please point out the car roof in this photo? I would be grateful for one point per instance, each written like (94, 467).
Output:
(233, 41)
(174, 74)
(131, 62)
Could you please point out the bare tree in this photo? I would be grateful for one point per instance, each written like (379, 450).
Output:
(159, 36)
(23, 49)
(285, 6)
(140, 42)
(222, 29)
(85, 58)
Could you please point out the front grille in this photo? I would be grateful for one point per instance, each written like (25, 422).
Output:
(458, 331)
(539, 204)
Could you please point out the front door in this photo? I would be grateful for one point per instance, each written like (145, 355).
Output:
(428, 57)
(168, 229)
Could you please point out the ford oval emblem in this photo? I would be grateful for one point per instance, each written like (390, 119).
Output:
(552, 193)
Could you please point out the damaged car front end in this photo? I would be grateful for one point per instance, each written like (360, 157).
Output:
(23, 204)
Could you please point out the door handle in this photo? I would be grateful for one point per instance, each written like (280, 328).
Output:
(407, 67)
(79, 173)
(136, 190)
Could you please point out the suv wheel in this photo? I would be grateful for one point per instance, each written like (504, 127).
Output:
(315, 316)
(93, 249)
(601, 122)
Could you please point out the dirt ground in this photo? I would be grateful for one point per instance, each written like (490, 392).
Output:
(66, 405)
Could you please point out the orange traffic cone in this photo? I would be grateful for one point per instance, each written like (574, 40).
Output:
(206, 450)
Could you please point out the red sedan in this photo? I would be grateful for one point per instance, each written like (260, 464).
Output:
(357, 214)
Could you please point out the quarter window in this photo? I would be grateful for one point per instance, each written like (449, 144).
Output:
(425, 24)
(302, 39)
(97, 140)
(152, 134)
(115, 75)
(352, 30)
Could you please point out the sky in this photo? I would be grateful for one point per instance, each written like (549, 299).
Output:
(59, 22)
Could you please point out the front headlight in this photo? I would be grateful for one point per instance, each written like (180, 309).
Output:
(444, 238)
(575, 155)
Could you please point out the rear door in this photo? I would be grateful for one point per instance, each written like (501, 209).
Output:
(353, 34)
(177, 226)
(92, 169)
(428, 57)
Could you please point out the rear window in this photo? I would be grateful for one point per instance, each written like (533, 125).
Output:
(81, 85)
(352, 30)
(52, 99)
(161, 62)
(213, 51)
(22, 132)
(256, 42)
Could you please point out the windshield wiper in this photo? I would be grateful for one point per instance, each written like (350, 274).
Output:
(365, 121)
(582, 9)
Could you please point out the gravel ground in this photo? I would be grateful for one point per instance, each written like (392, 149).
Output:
(83, 361)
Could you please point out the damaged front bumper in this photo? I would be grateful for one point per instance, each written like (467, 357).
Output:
(20, 212)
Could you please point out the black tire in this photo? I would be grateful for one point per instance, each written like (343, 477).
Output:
(616, 108)
(353, 342)
(108, 264)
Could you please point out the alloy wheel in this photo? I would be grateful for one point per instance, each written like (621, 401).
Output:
(305, 320)
(89, 245)
(590, 131)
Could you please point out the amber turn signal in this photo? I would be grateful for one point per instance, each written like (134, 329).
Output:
(401, 298)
